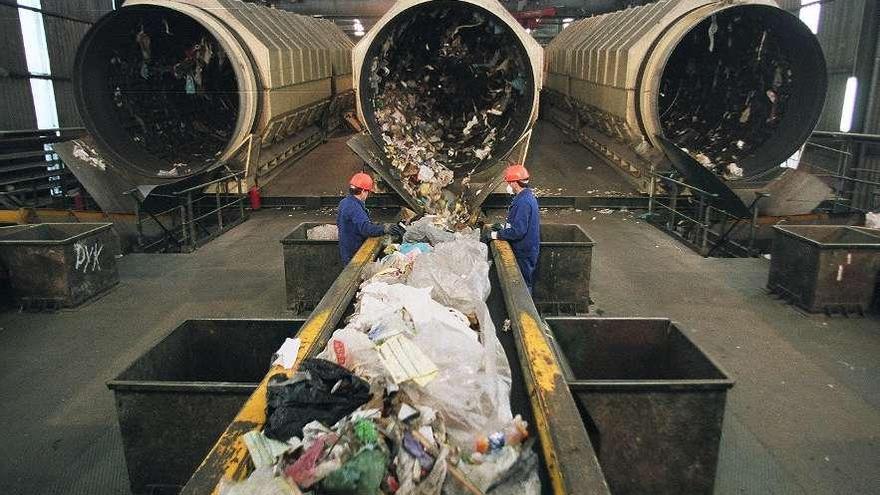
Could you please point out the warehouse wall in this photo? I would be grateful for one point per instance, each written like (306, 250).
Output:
(16, 104)
(63, 36)
(63, 33)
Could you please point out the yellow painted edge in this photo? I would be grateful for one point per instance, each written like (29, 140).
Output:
(254, 410)
(541, 359)
(545, 374)
(13, 216)
(544, 371)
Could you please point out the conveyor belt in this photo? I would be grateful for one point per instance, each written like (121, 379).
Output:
(567, 454)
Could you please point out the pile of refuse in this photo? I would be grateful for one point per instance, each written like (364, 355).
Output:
(412, 396)
(174, 90)
(725, 90)
(324, 232)
(443, 107)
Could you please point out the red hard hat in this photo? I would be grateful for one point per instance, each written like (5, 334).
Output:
(363, 181)
(516, 172)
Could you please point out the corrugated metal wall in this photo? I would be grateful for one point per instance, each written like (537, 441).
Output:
(839, 32)
(63, 34)
(16, 103)
(63, 37)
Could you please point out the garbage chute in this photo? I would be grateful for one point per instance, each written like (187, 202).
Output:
(448, 91)
(171, 89)
(739, 84)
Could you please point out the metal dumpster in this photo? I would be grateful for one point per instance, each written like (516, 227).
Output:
(53, 265)
(652, 401)
(310, 267)
(175, 400)
(562, 285)
(830, 268)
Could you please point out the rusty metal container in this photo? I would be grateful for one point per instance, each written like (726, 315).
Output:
(825, 268)
(562, 285)
(53, 265)
(310, 267)
(177, 398)
(651, 399)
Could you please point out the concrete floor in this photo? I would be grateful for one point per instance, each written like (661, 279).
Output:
(804, 416)
(558, 166)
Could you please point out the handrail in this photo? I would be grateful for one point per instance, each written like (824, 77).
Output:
(695, 188)
(234, 175)
(853, 136)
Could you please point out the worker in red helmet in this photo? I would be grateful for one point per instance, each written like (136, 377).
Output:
(353, 220)
(522, 229)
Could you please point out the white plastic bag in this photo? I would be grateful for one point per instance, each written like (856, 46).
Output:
(872, 220)
(457, 272)
(425, 229)
(355, 351)
(472, 388)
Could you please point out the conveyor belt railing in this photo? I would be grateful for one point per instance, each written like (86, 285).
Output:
(569, 460)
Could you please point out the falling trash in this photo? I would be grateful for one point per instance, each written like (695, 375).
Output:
(442, 110)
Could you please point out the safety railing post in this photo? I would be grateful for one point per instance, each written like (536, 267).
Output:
(707, 224)
(219, 208)
(240, 198)
(191, 224)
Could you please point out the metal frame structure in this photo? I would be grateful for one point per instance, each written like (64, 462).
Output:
(849, 176)
(700, 220)
(699, 215)
(25, 172)
(197, 218)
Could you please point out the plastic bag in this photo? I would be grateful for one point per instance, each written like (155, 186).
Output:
(355, 351)
(261, 482)
(321, 390)
(425, 229)
(872, 220)
(361, 475)
(392, 269)
(457, 272)
(472, 388)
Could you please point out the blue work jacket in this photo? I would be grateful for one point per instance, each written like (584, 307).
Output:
(354, 227)
(523, 231)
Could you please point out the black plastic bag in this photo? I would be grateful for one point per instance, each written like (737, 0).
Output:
(321, 391)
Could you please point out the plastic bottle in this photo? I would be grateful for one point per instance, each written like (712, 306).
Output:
(513, 435)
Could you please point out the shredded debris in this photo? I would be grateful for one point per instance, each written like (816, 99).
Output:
(173, 88)
(326, 232)
(725, 90)
(89, 156)
(448, 101)
(411, 396)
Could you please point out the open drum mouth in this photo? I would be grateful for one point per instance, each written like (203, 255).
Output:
(447, 83)
(158, 91)
(742, 90)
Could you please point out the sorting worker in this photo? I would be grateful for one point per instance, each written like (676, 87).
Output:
(353, 220)
(523, 228)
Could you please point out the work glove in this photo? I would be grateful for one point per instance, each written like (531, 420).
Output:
(497, 226)
(395, 230)
(486, 236)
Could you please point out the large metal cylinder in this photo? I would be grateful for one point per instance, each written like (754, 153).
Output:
(739, 84)
(451, 86)
(171, 89)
